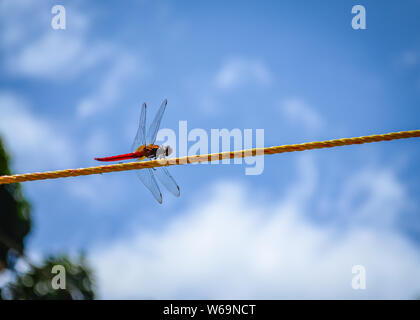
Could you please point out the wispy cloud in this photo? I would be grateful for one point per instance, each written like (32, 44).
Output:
(34, 140)
(56, 57)
(33, 49)
(369, 190)
(235, 244)
(234, 73)
(98, 193)
(240, 71)
(18, 19)
(299, 113)
(96, 142)
(109, 89)
(410, 58)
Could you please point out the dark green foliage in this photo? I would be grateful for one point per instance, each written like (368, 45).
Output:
(36, 283)
(15, 221)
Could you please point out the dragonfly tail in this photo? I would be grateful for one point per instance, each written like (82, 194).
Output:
(126, 156)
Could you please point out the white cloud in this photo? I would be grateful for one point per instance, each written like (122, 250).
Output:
(240, 71)
(235, 244)
(56, 56)
(32, 48)
(410, 58)
(109, 90)
(96, 142)
(300, 113)
(234, 73)
(18, 19)
(36, 143)
(370, 189)
(64, 54)
(98, 192)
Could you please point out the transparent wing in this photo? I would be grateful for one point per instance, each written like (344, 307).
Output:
(146, 176)
(140, 138)
(167, 180)
(154, 127)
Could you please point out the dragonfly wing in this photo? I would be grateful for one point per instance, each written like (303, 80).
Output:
(146, 176)
(154, 127)
(167, 180)
(140, 139)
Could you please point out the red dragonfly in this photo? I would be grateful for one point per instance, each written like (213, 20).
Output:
(144, 148)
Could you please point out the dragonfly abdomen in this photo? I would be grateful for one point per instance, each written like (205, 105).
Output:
(132, 155)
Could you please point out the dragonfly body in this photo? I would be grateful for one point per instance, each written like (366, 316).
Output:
(141, 153)
(144, 148)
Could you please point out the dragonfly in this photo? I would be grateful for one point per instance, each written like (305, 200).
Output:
(144, 147)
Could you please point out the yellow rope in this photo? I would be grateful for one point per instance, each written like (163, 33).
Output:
(207, 157)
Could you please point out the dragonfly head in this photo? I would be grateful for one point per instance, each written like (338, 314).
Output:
(163, 151)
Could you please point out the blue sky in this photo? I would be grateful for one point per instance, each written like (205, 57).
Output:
(293, 68)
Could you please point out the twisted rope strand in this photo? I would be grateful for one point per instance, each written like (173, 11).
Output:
(207, 157)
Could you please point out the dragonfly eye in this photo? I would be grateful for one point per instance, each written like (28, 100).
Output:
(168, 150)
